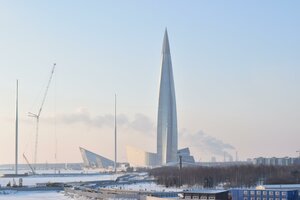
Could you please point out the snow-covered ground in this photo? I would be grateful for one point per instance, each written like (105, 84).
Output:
(51, 195)
(48, 195)
(149, 186)
(35, 196)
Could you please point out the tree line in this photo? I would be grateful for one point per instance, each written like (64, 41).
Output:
(227, 176)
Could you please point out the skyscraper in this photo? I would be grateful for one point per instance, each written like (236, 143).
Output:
(167, 137)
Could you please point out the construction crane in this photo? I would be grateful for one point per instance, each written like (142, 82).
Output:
(37, 116)
(32, 169)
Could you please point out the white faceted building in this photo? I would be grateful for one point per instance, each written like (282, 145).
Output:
(92, 160)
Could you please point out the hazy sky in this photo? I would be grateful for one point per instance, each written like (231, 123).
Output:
(236, 69)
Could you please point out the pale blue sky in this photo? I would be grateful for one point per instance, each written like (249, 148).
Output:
(236, 68)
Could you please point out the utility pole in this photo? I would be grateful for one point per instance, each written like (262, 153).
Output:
(180, 168)
(115, 167)
(17, 127)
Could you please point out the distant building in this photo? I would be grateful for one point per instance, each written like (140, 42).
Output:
(92, 160)
(213, 159)
(185, 155)
(139, 158)
(285, 161)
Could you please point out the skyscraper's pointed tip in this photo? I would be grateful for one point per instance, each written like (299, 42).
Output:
(166, 48)
(166, 33)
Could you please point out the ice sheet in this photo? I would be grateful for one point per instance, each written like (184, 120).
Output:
(32, 180)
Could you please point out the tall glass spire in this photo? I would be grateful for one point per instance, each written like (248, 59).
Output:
(167, 136)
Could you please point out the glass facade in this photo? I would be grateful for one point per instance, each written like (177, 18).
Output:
(167, 139)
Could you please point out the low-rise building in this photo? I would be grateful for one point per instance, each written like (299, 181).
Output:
(285, 161)
(254, 194)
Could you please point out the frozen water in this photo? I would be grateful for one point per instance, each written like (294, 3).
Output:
(32, 180)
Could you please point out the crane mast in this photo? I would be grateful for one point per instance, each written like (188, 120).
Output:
(32, 169)
(37, 116)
